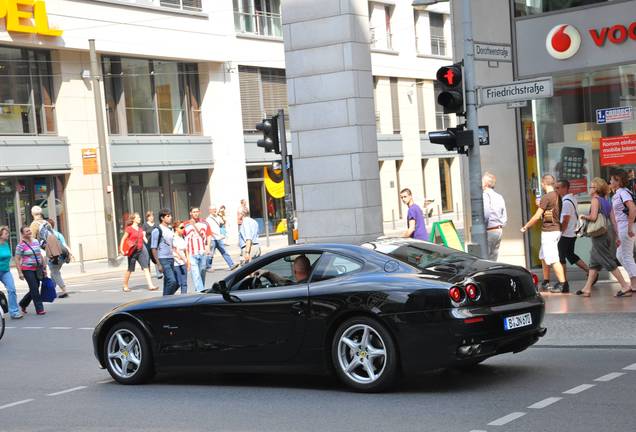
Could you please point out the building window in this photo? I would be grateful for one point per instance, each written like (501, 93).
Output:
(395, 105)
(445, 184)
(378, 127)
(380, 25)
(438, 43)
(149, 97)
(26, 92)
(263, 93)
(259, 17)
(533, 7)
(442, 121)
(421, 114)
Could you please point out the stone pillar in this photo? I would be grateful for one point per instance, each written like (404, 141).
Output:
(332, 119)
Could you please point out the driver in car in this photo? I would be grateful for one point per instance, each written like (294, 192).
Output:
(301, 267)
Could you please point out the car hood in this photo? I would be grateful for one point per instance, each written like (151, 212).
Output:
(157, 303)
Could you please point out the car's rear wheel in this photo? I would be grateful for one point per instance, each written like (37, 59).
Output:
(364, 355)
(127, 355)
(2, 324)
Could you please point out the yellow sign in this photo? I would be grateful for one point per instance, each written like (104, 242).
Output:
(89, 161)
(444, 232)
(27, 16)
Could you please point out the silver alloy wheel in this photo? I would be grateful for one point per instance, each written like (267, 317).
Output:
(124, 353)
(362, 354)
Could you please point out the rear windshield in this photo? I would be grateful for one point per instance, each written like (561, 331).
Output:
(423, 255)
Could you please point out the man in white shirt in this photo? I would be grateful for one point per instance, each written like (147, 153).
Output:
(569, 220)
(495, 216)
(248, 238)
(216, 242)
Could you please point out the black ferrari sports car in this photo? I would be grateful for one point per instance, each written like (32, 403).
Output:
(366, 313)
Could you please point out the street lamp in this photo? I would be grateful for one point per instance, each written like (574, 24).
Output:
(478, 230)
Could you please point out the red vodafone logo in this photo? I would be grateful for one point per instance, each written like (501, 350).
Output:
(563, 41)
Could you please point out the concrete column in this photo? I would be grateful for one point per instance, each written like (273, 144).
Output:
(330, 91)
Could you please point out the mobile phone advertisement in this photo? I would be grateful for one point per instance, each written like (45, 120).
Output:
(571, 161)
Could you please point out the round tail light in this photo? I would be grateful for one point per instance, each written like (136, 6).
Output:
(456, 294)
(535, 279)
(472, 291)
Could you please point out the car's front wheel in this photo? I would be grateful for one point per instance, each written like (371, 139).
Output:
(127, 354)
(364, 355)
(2, 324)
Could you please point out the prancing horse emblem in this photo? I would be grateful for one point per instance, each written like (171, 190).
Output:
(513, 285)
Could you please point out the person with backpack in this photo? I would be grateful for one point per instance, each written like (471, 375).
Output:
(569, 222)
(132, 246)
(549, 213)
(148, 226)
(161, 245)
(55, 265)
(43, 233)
(624, 214)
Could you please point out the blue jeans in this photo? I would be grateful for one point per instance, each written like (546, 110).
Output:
(198, 265)
(218, 244)
(182, 277)
(170, 284)
(7, 279)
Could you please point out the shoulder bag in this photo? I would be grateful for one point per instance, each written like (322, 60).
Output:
(598, 227)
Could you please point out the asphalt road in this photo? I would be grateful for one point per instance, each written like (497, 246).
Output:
(50, 381)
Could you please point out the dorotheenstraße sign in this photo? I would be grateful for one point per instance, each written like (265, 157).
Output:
(516, 91)
(493, 52)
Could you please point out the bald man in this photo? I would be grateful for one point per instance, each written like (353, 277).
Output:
(301, 269)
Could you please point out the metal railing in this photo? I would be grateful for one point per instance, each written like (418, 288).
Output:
(384, 43)
(259, 23)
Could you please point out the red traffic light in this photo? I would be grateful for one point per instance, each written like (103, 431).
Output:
(450, 76)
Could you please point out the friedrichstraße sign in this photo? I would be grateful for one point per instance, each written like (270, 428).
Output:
(493, 52)
(537, 88)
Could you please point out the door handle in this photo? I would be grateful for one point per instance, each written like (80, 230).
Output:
(298, 307)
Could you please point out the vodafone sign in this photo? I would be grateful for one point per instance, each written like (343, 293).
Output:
(599, 35)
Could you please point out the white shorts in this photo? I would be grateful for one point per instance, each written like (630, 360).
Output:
(550, 246)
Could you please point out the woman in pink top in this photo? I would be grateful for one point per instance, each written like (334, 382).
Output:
(28, 258)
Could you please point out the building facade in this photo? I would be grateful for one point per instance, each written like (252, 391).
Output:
(184, 83)
(585, 130)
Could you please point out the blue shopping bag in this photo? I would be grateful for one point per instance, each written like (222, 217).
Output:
(47, 292)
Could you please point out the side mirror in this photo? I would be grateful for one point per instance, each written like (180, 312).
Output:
(220, 287)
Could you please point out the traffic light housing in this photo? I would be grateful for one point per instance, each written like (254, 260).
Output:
(452, 95)
(270, 141)
(453, 139)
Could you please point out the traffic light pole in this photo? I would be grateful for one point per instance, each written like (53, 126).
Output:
(289, 212)
(478, 229)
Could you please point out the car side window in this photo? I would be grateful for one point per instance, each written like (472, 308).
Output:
(333, 265)
(288, 270)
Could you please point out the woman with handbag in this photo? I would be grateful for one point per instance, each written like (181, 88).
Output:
(624, 214)
(132, 246)
(599, 228)
(30, 264)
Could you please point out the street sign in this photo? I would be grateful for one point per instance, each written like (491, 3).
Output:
(516, 91)
(493, 52)
(614, 115)
(520, 104)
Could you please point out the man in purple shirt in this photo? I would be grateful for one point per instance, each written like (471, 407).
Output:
(416, 227)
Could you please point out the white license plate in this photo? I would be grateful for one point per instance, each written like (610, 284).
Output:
(517, 321)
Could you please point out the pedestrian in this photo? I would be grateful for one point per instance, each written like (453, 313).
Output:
(197, 234)
(495, 216)
(55, 264)
(241, 211)
(180, 254)
(549, 213)
(5, 272)
(29, 262)
(569, 222)
(217, 241)
(603, 252)
(134, 235)
(223, 217)
(248, 238)
(416, 227)
(161, 245)
(42, 232)
(148, 226)
(624, 213)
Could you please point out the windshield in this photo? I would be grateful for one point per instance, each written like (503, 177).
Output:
(423, 255)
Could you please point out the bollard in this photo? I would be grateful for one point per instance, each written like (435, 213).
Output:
(393, 218)
(81, 257)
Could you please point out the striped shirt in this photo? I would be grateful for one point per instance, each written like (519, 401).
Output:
(196, 236)
(28, 255)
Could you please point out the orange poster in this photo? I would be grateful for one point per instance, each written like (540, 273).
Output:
(89, 161)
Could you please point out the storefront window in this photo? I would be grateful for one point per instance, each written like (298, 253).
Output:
(266, 192)
(26, 97)
(582, 132)
(151, 97)
(533, 7)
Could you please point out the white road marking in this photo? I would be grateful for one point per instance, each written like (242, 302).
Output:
(87, 290)
(609, 376)
(630, 367)
(10, 327)
(67, 391)
(105, 381)
(579, 389)
(545, 402)
(86, 328)
(33, 328)
(111, 290)
(60, 328)
(506, 419)
(16, 403)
